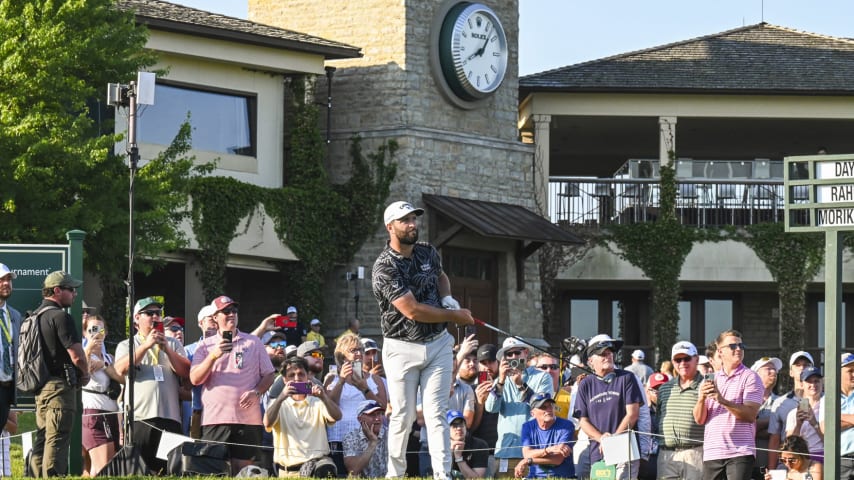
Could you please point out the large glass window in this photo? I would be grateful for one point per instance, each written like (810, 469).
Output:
(222, 122)
(718, 315)
(584, 318)
(684, 326)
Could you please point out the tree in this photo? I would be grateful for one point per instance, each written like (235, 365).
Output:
(57, 167)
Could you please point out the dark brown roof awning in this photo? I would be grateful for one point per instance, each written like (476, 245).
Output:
(498, 220)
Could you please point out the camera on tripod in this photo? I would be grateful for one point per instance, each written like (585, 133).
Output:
(573, 346)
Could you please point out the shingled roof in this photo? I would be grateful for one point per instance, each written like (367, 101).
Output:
(160, 15)
(761, 58)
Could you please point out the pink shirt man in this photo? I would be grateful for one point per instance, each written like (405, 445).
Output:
(235, 372)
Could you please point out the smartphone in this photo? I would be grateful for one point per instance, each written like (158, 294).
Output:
(228, 335)
(357, 369)
(281, 320)
(483, 377)
(333, 369)
(302, 388)
(709, 377)
(804, 405)
(159, 326)
(470, 330)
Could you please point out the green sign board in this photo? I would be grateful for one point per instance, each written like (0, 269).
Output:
(819, 193)
(31, 264)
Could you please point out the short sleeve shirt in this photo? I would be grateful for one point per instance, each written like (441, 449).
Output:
(726, 436)
(604, 404)
(234, 373)
(59, 334)
(393, 276)
(356, 443)
(152, 397)
(562, 431)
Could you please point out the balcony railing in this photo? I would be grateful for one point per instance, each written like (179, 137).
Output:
(706, 203)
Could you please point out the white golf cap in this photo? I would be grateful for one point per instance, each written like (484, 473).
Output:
(4, 270)
(778, 364)
(795, 356)
(206, 311)
(683, 348)
(398, 210)
(638, 354)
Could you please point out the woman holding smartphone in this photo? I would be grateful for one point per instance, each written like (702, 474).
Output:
(803, 420)
(100, 410)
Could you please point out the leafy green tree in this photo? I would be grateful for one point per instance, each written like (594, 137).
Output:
(57, 167)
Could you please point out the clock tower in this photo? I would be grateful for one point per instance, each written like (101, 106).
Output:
(441, 78)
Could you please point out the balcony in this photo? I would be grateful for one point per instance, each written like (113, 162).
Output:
(593, 202)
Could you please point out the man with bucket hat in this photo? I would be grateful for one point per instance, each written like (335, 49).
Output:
(509, 397)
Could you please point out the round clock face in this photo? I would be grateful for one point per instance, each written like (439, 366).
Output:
(472, 50)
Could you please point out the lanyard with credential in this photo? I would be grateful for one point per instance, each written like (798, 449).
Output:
(153, 352)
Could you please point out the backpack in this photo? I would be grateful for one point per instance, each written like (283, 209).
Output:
(32, 371)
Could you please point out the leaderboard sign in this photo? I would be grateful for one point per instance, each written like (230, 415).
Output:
(819, 193)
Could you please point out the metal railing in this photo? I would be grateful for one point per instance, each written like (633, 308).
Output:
(592, 202)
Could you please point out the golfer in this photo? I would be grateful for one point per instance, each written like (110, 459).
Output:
(415, 301)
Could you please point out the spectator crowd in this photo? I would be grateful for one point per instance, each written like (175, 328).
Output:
(283, 399)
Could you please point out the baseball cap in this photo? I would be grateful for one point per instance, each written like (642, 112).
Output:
(810, 372)
(369, 406)
(800, 354)
(307, 347)
(486, 353)
(847, 359)
(656, 380)
(540, 399)
(170, 320)
(269, 336)
(4, 270)
(684, 348)
(398, 210)
(60, 279)
(222, 302)
(603, 342)
(703, 360)
(638, 354)
(314, 322)
(369, 344)
(778, 364)
(206, 311)
(510, 343)
(291, 309)
(290, 351)
(454, 415)
(142, 303)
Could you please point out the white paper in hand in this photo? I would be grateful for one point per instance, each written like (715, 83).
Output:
(620, 448)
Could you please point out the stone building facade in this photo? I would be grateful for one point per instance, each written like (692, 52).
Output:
(392, 93)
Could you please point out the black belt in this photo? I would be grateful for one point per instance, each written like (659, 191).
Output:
(676, 449)
(292, 468)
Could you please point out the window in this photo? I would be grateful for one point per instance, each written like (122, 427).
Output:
(718, 315)
(684, 325)
(584, 318)
(222, 122)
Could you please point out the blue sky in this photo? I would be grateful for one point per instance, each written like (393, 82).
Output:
(556, 33)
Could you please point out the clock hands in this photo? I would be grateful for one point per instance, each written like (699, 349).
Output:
(480, 51)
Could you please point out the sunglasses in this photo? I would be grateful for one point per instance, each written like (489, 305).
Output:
(68, 289)
(735, 346)
(151, 313)
(316, 354)
(682, 359)
(282, 344)
(356, 350)
(229, 310)
(790, 460)
(513, 353)
(176, 328)
(548, 366)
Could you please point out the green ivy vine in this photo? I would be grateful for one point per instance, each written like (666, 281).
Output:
(322, 223)
(659, 248)
(793, 259)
